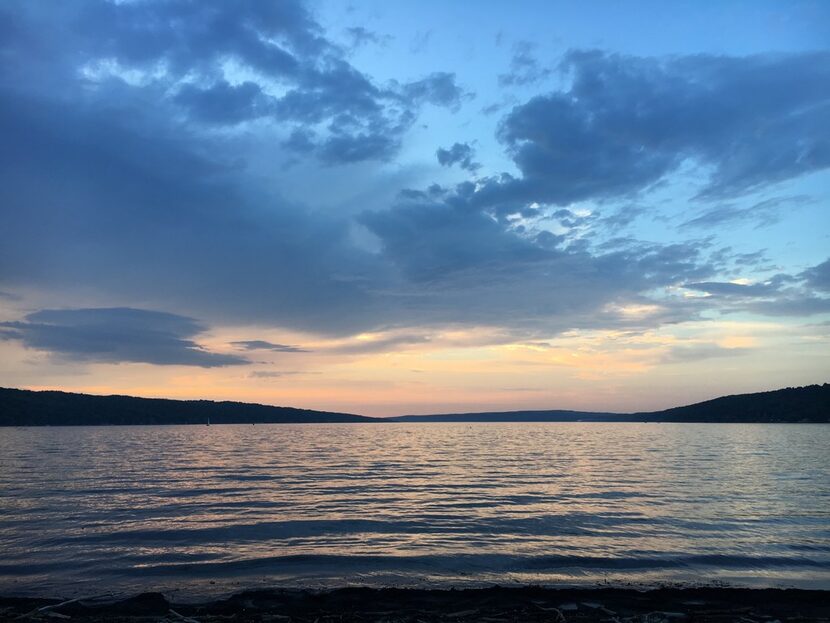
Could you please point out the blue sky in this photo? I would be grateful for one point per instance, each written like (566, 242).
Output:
(413, 207)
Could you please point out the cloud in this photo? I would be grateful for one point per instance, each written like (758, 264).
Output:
(142, 146)
(439, 89)
(271, 374)
(755, 258)
(699, 352)
(191, 55)
(430, 240)
(627, 122)
(624, 216)
(734, 289)
(524, 68)
(818, 276)
(361, 36)
(380, 344)
(461, 154)
(124, 179)
(792, 304)
(345, 148)
(782, 295)
(762, 213)
(263, 345)
(463, 266)
(116, 335)
(420, 41)
(223, 103)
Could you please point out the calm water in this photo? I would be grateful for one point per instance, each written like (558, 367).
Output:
(128, 508)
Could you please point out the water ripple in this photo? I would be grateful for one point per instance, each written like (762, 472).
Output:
(416, 504)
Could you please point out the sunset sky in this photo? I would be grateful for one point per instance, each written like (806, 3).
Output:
(411, 207)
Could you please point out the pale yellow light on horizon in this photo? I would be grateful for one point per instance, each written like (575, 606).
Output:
(457, 369)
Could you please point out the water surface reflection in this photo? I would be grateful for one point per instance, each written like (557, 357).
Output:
(330, 504)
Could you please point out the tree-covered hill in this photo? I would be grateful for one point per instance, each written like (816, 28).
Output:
(51, 408)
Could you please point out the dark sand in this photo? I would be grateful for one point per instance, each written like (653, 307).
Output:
(489, 605)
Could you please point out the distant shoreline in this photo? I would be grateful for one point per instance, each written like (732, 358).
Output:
(494, 604)
(19, 407)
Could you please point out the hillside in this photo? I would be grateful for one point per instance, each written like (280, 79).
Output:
(554, 415)
(51, 408)
(793, 404)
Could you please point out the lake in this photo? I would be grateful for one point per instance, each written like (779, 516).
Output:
(211, 509)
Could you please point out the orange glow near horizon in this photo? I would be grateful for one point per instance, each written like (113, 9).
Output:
(463, 370)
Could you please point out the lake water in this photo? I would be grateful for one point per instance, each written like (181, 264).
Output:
(210, 509)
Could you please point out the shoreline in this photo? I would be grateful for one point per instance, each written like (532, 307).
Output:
(494, 604)
(23, 407)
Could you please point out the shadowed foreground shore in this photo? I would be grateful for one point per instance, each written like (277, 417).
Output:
(490, 605)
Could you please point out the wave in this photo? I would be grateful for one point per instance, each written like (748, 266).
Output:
(468, 564)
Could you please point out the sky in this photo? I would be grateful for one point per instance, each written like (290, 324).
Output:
(415, 207)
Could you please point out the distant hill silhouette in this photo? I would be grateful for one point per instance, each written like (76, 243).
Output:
(51, 408)
(20, 407)
(793, 404)
(553, 415)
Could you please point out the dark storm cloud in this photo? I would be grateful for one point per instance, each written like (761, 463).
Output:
(461, 154)
(264, 345)
(627, 122)
(116, 335)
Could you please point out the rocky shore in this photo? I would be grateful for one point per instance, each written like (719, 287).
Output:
(487, 605)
